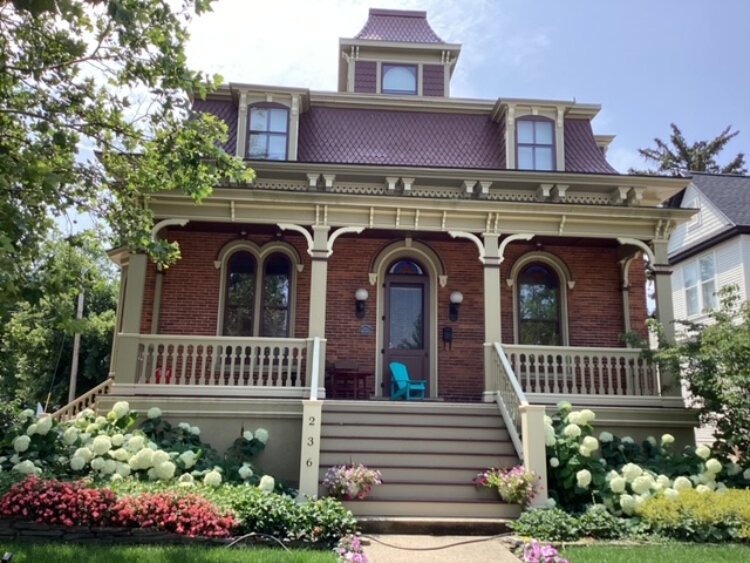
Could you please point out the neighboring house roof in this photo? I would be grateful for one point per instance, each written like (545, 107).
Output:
(582, 154)
(731, 194)
(226, 110)
(405, 138)
(398, 26)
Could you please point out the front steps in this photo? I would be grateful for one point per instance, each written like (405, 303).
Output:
(428, 454)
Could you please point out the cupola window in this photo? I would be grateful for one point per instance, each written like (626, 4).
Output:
(535, 139)
(399, 79)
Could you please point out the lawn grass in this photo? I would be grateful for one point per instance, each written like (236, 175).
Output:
(76, 553)
(665, 553)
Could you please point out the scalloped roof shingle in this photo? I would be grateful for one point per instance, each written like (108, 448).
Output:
(398, 26)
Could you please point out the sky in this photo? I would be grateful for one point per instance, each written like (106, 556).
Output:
(648, 63)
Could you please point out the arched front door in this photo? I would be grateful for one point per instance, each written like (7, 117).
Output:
(406, 320)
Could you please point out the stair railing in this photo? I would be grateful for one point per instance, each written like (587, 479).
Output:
(87, 400)
(509, 395)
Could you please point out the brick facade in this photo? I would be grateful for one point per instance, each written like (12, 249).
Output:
(190, 299)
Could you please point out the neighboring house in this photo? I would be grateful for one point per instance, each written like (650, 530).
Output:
(485, 244)
(712, 250)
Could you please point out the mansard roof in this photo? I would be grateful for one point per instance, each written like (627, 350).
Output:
(398, 26)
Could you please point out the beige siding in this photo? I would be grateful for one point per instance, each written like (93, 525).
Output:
(709, 222)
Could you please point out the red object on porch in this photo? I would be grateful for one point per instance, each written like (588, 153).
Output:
(167, 373)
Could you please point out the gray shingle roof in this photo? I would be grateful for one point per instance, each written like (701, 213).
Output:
(731, 194)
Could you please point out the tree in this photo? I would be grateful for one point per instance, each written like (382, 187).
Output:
(37, 340)
(682, 158)
(715, 362)
(110, 76)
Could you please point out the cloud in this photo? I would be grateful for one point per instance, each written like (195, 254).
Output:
(623, 159)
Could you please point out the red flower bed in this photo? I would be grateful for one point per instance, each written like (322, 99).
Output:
(57, 503)
(188, 515)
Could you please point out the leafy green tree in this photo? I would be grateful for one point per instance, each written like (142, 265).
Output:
(678, 157)
(715, 363)
(37, 341)
(95, 100)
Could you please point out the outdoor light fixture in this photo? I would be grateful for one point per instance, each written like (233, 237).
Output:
(456, 299)
(361, 296)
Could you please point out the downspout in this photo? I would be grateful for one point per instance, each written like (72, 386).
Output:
(159, 282)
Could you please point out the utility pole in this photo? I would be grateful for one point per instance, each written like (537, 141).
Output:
(76, 350)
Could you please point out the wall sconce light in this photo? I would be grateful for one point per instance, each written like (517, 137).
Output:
(361, 296)
(456, 299)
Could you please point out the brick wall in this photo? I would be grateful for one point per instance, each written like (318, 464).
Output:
(191, 297)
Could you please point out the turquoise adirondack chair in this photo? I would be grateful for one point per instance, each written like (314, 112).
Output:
(403, 387)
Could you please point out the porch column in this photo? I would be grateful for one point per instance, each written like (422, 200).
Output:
(670, 382)
(126, 358)
(492, 306)
(318, 281)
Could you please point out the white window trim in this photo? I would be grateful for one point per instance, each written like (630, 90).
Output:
(702, 311)
(260, 254)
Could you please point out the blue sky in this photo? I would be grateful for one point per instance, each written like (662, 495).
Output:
(647, 62)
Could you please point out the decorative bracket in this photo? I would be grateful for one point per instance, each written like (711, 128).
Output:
(642, 245)
(342, 231)
(167, 223)
(301, 230)
(472, 237)
(507, 240)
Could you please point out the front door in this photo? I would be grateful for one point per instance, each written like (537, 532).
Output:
(406, 321)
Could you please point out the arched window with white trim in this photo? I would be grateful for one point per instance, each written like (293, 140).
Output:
(539, 307)
(277, 280)
(239, 295)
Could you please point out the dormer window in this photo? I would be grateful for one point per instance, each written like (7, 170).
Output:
(535, 142)
(269, 132)
(399, 79)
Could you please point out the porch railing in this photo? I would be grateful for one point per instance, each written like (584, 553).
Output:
(87, 400)
(509, 395)
(583, 371)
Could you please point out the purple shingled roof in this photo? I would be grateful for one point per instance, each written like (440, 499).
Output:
(226, 110)
(582, 154)
(398, 26)
(400, 138)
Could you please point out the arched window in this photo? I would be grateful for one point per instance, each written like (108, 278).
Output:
(399, 79)
(539, 305)
(257, 297)
(239, 297)
(277, 277)
(268, 132)
(535, 143)
(406, 268)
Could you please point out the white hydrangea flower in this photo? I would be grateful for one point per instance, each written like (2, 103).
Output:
(733, 469)
(574, 417)
(702, 489)
(27, 414)
(549, 435)
(682, 484)
(631, 471)
(141, 459)
(212, 479)
(135, 444)
(261, 434)
(165, 470)
(617, 484)
(584, 451)
(154, 412)
(564, 405)
(627, 503)
(651, 440)
(746, 474)
(667, 439)
(547, 420)
(31, 430)
(123, 469)
(159, 457)
(663, 481)
(572, 431)
(117, 440)
(184, 426)
(267, 483)
(115, 477)
(21, 443)
(70, 435)
(583, 478)
(101, 445)
(550, 503)
(120, 409)
(554, 462)
(195, 431)
(92, 428)
(186, 479)
(671, 494)
(721, 487)
(591, 443)
(606, 437)
(587, 416)
(713, 465)
(85, 453)
(25, 467)
(151, 474)
(85, 413)
(245, 472)
(188, 458)
(627, 440)
(641, 485)
(84, 437)
(703, 452)
(15, 458)
(109, 467)
(97, 463)
(44, 425)
(247, 435)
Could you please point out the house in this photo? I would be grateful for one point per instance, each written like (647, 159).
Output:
(712, 250)
(485, 244)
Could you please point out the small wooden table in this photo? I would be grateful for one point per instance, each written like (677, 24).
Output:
(349, 384)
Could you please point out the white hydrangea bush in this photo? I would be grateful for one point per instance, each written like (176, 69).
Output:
(586, 468)
(112, 448)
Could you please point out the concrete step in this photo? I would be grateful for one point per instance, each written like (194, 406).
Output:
(433, 508)
(406, 418)
(435, 526)
(416, 445)
(384, 430)
(422, 407)
(433, 490)
(377, 459)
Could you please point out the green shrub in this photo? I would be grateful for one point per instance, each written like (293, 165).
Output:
(547, 524)
(701, 517)
(265, 513)
(598, 522)
(326, 521)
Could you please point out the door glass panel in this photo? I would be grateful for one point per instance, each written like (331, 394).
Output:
(406, 317)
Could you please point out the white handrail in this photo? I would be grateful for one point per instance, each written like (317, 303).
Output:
(511, 375)
(85, 400)
(510, 397)
(315, 369)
